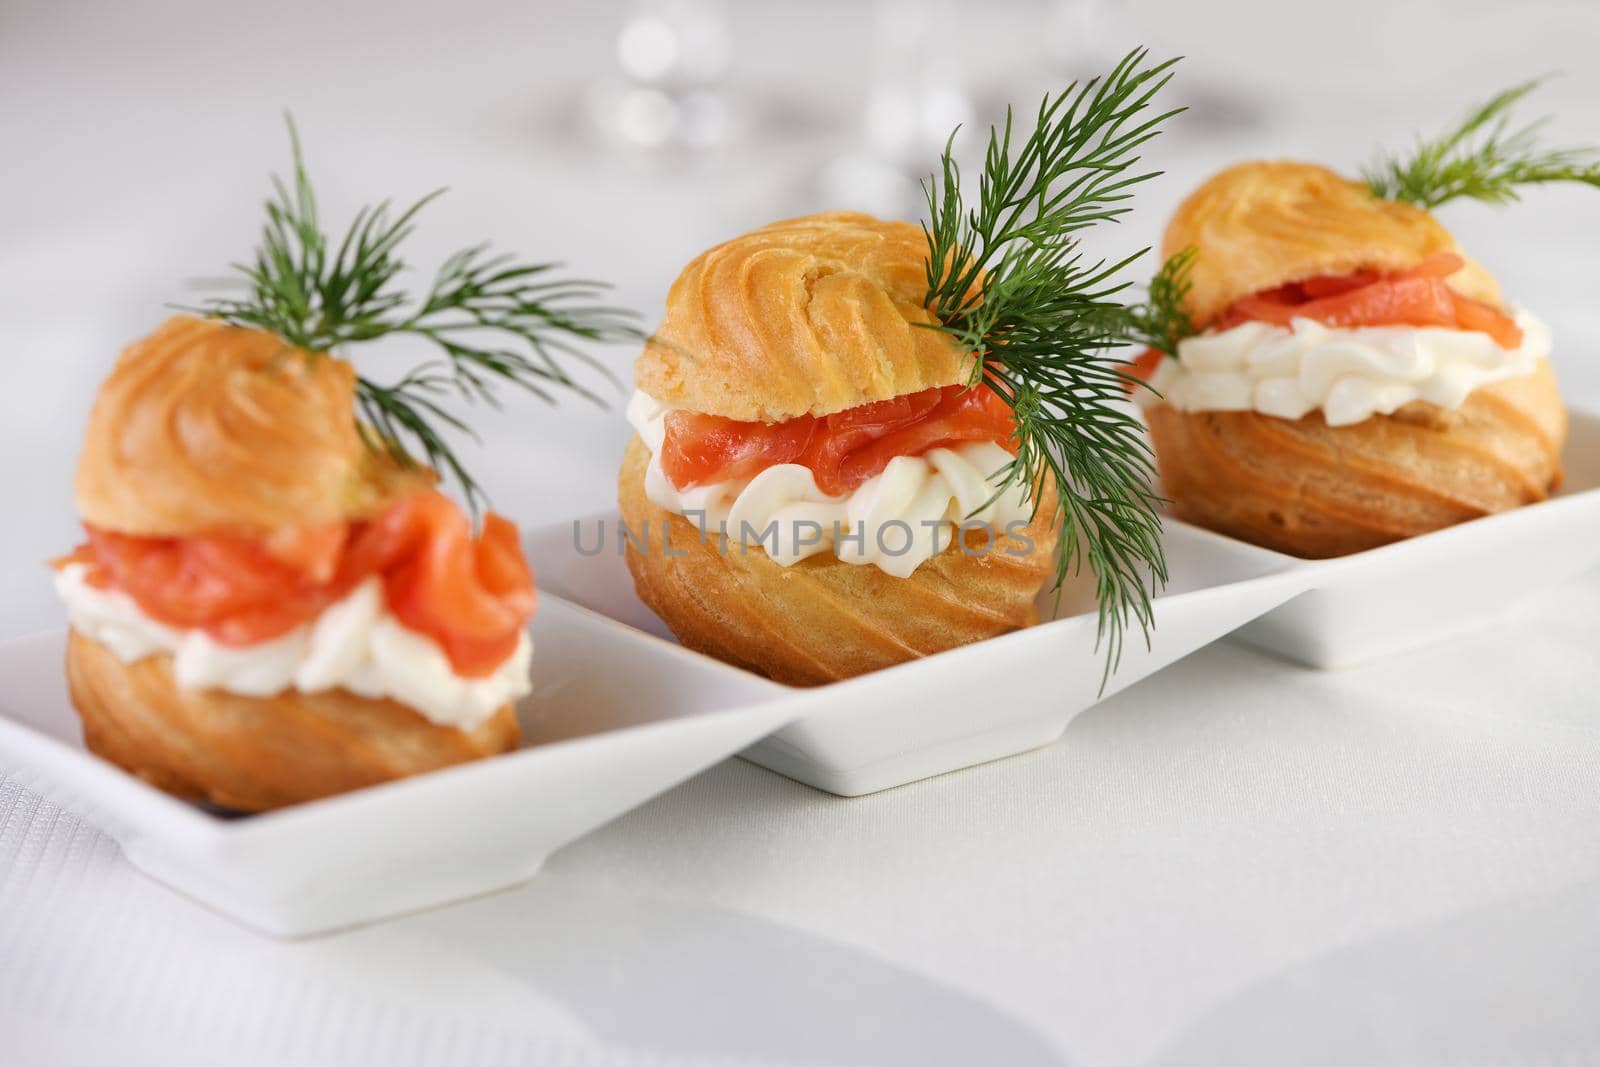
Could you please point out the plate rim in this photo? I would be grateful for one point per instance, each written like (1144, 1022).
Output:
(80, 772)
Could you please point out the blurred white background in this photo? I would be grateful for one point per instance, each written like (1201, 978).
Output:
(1116, 917)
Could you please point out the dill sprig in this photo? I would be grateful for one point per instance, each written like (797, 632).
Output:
(1163, 320)
(1483, 157)
(1008, 280)
(495, 320)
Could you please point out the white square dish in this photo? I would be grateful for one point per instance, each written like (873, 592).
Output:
(970, 705)
(1429, 588)
(616, 717)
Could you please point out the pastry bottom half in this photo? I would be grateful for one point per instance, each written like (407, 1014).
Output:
(257, 753)
(1317, 491)
(821, 619)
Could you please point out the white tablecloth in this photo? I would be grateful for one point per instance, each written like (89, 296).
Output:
(1237, 861)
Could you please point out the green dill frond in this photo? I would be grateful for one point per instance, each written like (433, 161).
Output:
(1162, 320)
(1483, 158)
(496, 321)
(1007, 279)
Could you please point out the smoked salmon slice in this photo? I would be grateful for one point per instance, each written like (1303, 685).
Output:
(842, 450)
(1416, 297)
(472, 595)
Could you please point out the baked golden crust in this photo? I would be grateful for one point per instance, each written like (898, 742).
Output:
(822, 619)
(204, 427)
(254, 753)
(1317, 491)
(1257, 226)
(808, 316)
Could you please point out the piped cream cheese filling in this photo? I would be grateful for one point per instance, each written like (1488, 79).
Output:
(1350, 374)
(895, 521)
(355, 644)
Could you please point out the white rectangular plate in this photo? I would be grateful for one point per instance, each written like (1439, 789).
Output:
(1430, 588)
(964, 707)
(616, 717)
(1018, 692)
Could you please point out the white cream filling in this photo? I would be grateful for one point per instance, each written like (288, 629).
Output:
(895, 521)
(355, 644)
(1351, 374)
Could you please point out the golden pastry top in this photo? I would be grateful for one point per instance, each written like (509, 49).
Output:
(204, 427)
(1257, 226)
(808, 316)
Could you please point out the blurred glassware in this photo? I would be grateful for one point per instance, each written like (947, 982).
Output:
(672, 58)
(915, 98)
